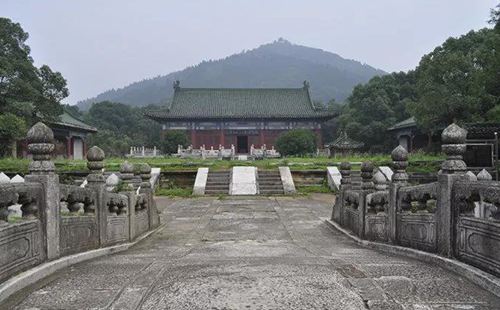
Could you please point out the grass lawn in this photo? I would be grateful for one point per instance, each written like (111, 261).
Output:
(418, 163)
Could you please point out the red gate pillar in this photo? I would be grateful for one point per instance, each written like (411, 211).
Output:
(222, 139)
(320, 139)
(68, 147)
(193, 138)
(261, 137)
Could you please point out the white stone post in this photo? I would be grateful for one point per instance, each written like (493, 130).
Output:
(452, 169)
(42, 170)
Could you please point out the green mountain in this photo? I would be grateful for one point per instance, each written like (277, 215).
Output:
(277, 64)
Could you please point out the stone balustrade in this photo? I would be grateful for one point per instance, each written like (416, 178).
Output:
(58, 219)
(458, 216)
(144, 152)
(223, 153)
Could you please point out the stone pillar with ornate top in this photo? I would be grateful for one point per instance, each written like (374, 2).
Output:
(147, 191)
(367, 187)
(399, 158)
(345, 171)
(127, 174)
(345, 184)
(97, 182)
(453, 168)
(42, 170)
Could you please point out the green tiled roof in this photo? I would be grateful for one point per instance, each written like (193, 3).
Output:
(343, 142)
(409, 122)
(234, 103)
(68, 120)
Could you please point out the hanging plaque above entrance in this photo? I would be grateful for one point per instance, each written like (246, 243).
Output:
(244, 132)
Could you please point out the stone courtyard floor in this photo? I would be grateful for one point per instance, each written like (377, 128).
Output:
(252, 253)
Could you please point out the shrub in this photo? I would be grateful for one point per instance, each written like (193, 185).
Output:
(297, 142)
(172, 139)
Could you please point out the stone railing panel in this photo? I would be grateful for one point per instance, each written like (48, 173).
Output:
(350, 216)
(79, 228)
(376, 219)
(117, 219)
(416, 222)
(76, 197)
(57, 219)
(477, 239)
(21, 240)
(78, 234)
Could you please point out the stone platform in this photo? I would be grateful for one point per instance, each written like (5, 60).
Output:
(252, 253)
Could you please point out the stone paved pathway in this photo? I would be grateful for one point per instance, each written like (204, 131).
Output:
(252, 253)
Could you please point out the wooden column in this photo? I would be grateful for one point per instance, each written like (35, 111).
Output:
(320, 139)
(68, 147)
(222, 139)
(193, 138)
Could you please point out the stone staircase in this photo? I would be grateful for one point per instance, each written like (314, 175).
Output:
(356, 179)
(218, 183)
(270, 182)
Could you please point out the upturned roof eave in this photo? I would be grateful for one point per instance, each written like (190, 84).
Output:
(164, 118)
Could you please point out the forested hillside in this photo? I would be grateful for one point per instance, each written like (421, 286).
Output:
(278, 64)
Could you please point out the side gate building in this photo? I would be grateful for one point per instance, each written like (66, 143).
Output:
(240, 116)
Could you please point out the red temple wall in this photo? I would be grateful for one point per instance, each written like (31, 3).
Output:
(213, 138)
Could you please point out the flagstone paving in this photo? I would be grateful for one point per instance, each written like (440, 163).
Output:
(252, 253)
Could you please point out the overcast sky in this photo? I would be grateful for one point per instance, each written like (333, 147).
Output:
(103, 44)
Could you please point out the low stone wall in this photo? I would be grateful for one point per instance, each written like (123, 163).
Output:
(458, 216)
(60, 219)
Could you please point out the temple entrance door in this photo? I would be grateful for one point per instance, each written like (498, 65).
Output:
(242, 145)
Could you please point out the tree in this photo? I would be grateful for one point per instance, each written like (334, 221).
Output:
(375, 106)
(495, 17)
(330, 128)
(122, 120)
(174, 138)
(456, 81)
(27, 94)
(12, 128)
(113, 144)
(297, 142)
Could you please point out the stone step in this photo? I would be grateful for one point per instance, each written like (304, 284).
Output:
(272, 192)
(217, 187)
(218, 183)
(218, 178)
(268, 173)
(216, 192)
(262, 182)
(277, 187)
(269, 178)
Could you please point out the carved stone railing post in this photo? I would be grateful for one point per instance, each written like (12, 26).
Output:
(452, 169)
(367, 177)
(97, 182)
(146, 190)
(145, 178)
(42, 170)
(127, 174)
(399, 158)
(367, 187)
(338, 207)
(345, 171)
(453, 139)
